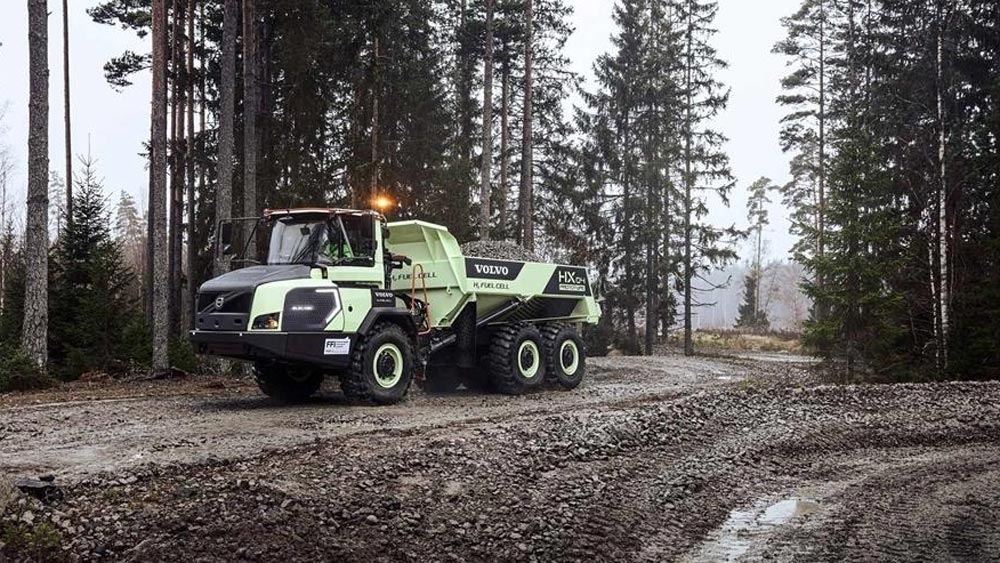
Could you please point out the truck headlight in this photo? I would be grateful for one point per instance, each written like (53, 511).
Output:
(310, 309)
(267, 322)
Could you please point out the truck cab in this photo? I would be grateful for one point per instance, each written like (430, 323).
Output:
(324, 286)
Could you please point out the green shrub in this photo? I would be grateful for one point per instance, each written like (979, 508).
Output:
(38, 541)
(182, 356)
(19, 373)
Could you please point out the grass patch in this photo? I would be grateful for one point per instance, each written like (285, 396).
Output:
(731, 340)
(36, 539)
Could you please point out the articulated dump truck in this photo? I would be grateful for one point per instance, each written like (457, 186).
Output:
(347, 294)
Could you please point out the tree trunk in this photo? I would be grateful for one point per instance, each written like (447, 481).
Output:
(191, 287)
(224, 197)
(627, 231)
(34, 335)
(203, 100)
(250, 105)
(459, 213)
(943, 238)
(5, 242)
(177, 167)
(486, 166)
(688, 186)
(821, 173)
(147, 273)
(527, 186)
(760, 271)
(373, 192)
(66, 116)
(158, 201)
(504, 151)
(650, 332)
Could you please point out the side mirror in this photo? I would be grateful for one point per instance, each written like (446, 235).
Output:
(226, 234)
(226, 238)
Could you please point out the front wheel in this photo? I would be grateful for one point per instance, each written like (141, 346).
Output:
(565, 356)
(287, 383)
(381, 366)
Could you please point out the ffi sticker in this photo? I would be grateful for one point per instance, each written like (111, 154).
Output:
(337, 347)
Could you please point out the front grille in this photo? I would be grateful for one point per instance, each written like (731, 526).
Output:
(232, 302)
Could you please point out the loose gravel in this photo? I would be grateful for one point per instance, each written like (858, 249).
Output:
(499, 250)
(647, 461)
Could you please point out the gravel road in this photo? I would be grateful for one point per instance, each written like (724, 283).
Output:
(652, 459)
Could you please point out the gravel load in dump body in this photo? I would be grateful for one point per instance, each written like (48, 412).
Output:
(499, 250)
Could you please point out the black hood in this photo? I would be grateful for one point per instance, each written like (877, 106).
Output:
(247, 279)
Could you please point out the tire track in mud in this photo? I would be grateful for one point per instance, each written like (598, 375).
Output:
(611, 477)
(77, 438)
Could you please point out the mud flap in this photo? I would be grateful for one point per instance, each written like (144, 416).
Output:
(464, 328)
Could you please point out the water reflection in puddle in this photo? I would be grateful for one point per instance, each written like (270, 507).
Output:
(744, 528)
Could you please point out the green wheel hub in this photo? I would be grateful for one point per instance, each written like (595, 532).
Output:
(529, 360)
(387, 365)
(569, 357)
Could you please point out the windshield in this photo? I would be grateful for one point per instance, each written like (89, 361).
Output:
(331, 242)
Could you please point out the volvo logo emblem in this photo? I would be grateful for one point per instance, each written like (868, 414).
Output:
(219, 302)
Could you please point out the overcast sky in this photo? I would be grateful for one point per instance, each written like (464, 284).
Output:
(115, 124)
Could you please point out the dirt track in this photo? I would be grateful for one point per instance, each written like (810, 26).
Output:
(650, 460)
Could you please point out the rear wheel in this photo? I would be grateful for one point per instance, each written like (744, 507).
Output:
(516, 359)
(565, 355)
(287, 383)
(381, 366)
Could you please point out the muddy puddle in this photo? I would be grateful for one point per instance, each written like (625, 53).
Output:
(748, 527)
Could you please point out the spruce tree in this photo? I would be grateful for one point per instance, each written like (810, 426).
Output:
(90, 286)
(704, 167)
(751, 316)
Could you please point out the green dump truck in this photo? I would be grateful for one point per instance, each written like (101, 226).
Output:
(345, 293)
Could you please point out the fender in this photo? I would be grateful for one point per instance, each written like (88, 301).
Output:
(398, 315)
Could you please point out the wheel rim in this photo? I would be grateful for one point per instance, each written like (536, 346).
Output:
(387, 365)
(569, 357)
(528, 359)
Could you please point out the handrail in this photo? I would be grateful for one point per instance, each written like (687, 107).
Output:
(426, 328)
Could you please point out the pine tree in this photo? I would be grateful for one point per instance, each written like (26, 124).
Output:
(805, 129)
(251, 103)
(757, 216)
(227, 86)
(67, 121)
(36, 238)
(486, 166)
(159, 288)
(526, 197)
(612, 154)
(190, 75)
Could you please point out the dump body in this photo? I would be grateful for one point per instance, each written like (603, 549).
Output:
(453, 280)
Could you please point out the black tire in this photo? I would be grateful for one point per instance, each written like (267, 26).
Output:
(385, 379)
(288, 383)
(516, 359)
(565, 355)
